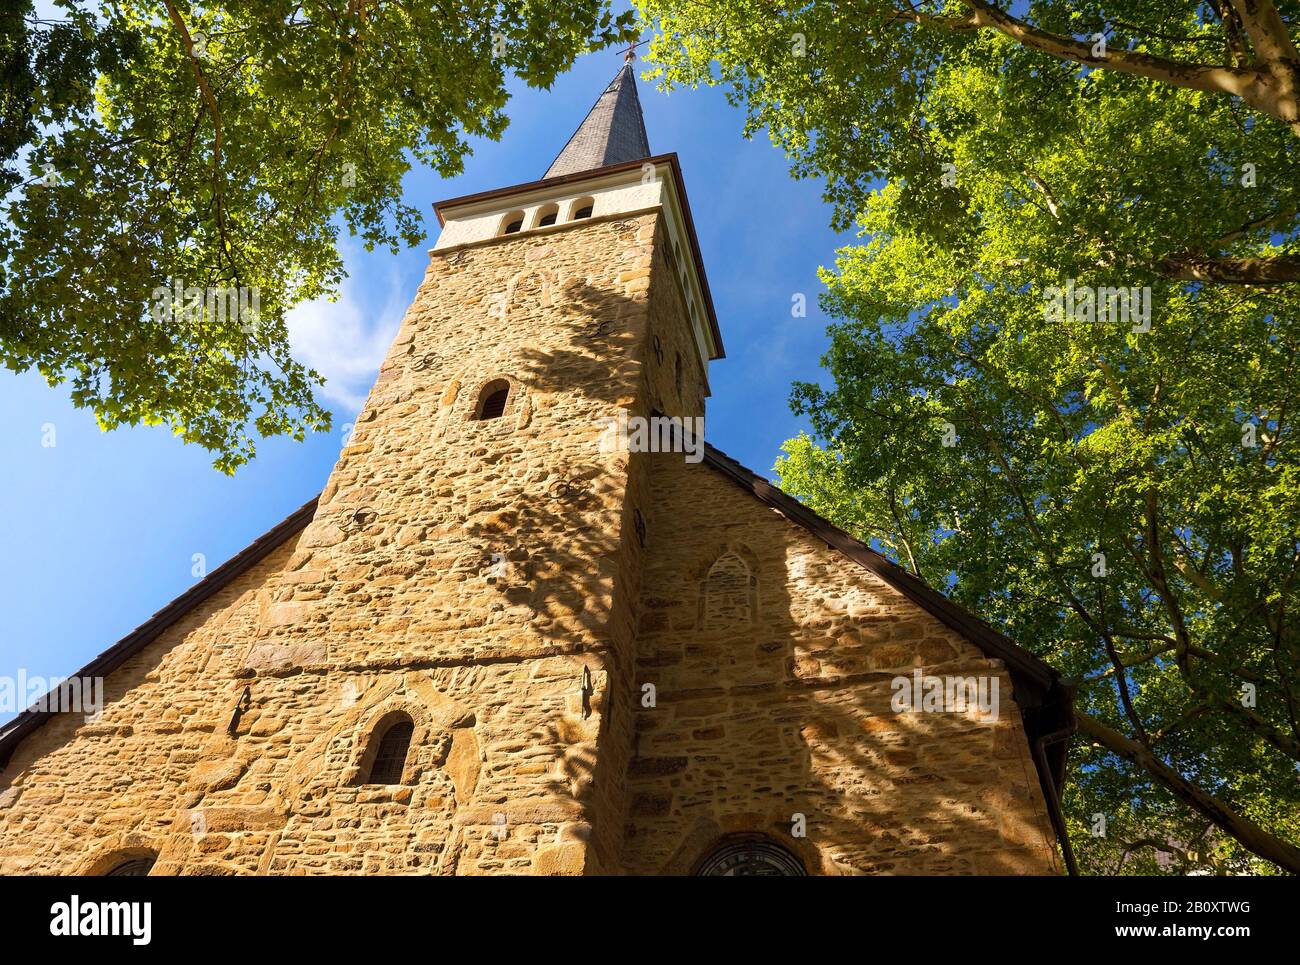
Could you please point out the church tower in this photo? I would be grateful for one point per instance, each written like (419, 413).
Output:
(479, 535)
(501, 641)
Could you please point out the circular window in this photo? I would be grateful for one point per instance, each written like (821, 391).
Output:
(750, 856)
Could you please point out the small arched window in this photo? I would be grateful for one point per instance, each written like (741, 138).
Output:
(547, 215)
(492, 400)
(512, 222)
(390, 758)
(138, 867)
(583, 207)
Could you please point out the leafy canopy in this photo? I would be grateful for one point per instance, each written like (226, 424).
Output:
(156, 144)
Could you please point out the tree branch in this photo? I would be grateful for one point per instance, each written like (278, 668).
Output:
(210, 100)
(1193, 266)
(1252, 837)
(1267, 33)
(1270, 88)
(1203, 77)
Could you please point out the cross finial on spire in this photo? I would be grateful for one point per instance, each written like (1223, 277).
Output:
(629, 55)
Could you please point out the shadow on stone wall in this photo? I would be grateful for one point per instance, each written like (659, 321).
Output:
(790, 715)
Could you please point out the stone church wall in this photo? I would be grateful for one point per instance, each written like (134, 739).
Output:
(772, 657)
(79, 794)
(490, 581)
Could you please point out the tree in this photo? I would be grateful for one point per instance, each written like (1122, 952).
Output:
(1064, 365)
(875, 89)
(180, 172)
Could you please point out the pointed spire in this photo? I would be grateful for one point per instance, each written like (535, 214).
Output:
(613, 131)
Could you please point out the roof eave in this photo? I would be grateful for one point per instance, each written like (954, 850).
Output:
(13, 733)
(1046, 701)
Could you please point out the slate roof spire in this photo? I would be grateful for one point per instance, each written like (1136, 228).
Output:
(612, 132)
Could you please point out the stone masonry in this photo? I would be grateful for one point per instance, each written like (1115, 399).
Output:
(491, 580)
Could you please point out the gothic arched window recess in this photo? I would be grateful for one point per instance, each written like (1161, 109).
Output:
(492, 400)
(512, 222)
(730, 593)
(138, 867)
(390, 758)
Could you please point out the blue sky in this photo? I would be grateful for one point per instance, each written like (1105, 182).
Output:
(102, 528)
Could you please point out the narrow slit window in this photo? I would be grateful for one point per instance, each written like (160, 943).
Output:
(390, 759)
(493, 399)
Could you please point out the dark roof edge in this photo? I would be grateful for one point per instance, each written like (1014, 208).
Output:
(447, 203)
(13, 733)
(1046, 701)
(917, 590)
(670, 159)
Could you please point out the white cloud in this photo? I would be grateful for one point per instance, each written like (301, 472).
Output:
(346, 340)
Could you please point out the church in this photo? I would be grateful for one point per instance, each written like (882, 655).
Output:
(496, 643)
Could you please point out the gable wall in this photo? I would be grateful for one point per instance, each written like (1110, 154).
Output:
(161, 770)
(76, 791)
(773, 700)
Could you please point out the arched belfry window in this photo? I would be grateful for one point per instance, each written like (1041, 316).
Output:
(136, 867)
(390, 757)
(583, 207)
(547, 215)
(750, 857)
(492, 400)
(512, 222)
